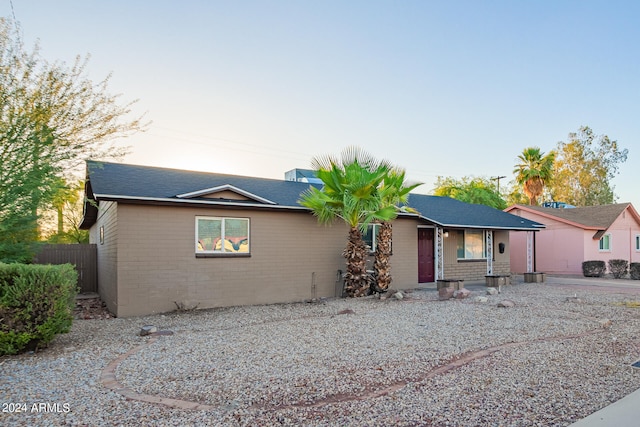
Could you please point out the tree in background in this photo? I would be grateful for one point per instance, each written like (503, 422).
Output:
(480, 191)
(584, 167)
(350, 193)
(52, 118)
(394, 192)
(66, 214)
(515, 194)
(534, 171)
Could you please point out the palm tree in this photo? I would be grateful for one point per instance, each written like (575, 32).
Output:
(350, 192)
(393, 193)
(534, 171)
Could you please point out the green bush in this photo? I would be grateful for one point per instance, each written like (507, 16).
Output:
(36, 304)
(593, 268)
(634, 270)
(618, 267)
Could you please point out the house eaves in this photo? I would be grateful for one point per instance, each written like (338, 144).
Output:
(173, 201)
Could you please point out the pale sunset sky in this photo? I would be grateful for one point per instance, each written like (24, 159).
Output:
(450, 88)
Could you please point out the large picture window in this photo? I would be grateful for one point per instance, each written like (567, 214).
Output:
(605, 243)
(472, 244)
(222, 235)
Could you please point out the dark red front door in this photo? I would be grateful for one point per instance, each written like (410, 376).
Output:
(425, 255)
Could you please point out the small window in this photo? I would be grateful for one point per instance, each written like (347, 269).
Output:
(370, 237)
(637, 242)
(472, 244)
(605, 243)
(222, 235)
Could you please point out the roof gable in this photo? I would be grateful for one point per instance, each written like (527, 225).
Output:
(225, 192)
(588, 217)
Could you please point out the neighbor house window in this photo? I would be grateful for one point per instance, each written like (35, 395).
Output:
(370, 237)
(472, 244)
(637, 242)
(222, 235)
(605, 243)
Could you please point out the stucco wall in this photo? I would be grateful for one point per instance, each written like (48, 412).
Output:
(561, 248)
(623, 232)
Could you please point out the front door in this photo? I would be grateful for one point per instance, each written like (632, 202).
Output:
(426, 272)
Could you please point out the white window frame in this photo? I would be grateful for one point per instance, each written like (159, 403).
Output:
(375, 229)
(464, 245)
(601, 245)
(221, 252)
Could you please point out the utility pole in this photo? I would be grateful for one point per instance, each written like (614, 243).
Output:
(498, 178)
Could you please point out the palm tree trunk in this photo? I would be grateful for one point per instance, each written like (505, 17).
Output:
(382, 263)
(356, 283)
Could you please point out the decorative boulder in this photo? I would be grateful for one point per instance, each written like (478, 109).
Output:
(492, 291)
(481, 299)
(506, 303)
(445, 293)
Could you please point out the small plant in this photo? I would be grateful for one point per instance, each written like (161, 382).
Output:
(618, 267)
(594, 268)
(634, 270)
(183, 306)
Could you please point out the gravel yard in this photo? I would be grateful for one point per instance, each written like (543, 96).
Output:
(549, 360)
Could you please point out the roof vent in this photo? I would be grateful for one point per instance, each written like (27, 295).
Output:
(302, 175)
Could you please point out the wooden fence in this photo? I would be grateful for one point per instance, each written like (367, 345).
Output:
(82, 256)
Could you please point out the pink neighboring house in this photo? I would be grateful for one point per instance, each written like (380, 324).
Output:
(574, 235)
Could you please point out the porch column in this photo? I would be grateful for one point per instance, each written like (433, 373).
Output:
(529, 251)
(439, 254)
(489, 240)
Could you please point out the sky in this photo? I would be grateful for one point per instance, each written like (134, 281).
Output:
(440, 88)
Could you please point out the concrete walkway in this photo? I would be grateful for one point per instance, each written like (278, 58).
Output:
(623, 413)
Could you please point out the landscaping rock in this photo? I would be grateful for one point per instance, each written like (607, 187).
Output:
(492, 291)
(506, 303)
(445, 293)
(398, 295)
(148, 330)
(481, 299)
(461, 294)
(605, 324)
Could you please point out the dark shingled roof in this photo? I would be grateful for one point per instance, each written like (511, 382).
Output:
(122, 183)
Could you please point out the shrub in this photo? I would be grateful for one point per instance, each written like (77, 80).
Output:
(36, 304)
(618, 267)
(593, 268)
(634, 270)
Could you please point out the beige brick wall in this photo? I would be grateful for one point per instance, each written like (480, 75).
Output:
(147, 263)
(475, 269)
(107, 253)
(158, 267)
